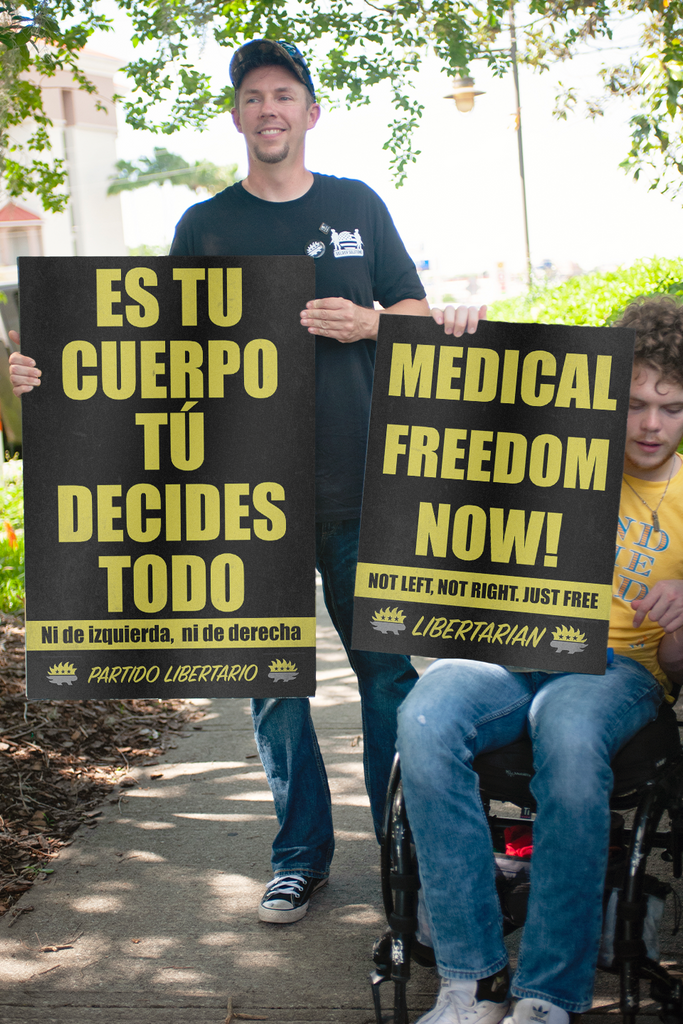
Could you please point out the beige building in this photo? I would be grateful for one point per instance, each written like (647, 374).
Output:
(85, 138)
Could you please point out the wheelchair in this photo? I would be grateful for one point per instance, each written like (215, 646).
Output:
(648, 779)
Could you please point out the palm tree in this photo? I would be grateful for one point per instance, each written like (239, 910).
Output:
(165, 166)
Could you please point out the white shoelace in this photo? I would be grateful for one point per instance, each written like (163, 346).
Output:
(286, 885)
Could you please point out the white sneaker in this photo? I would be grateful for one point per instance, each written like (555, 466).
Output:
(536, 1011)
(458, 1004)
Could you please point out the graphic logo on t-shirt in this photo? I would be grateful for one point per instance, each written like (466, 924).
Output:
(315, 249)
(346, 244)
(568, 640)
(388, 620)
(639, 643)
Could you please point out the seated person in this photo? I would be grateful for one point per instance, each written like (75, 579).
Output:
(577, 723)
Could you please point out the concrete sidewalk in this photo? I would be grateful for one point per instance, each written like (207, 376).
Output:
(158, 901)
(155, 906)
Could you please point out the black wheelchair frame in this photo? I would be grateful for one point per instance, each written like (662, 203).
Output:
(648, 774)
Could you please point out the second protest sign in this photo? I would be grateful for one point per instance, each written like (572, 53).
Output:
(492, 492)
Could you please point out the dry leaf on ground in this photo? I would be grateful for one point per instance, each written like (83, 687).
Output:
(60, 758)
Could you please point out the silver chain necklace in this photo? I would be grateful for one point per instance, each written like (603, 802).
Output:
(653, 511)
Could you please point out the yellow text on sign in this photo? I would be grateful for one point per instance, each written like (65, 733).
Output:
(187, 584)
(535, 380)
(221, 291)
(191, 512)
(167, 369)
(499, 457)
(513, 535)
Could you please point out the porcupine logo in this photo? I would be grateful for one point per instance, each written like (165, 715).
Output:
(389, 620)
(62, 673)
(568, 640)
(282, 671)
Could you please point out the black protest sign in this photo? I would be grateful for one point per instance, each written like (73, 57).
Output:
(492, 493)
(169, 496)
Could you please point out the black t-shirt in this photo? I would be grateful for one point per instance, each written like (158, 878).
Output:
(358, 254)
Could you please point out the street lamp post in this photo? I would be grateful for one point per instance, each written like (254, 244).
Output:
(464, 94)
(520, 147)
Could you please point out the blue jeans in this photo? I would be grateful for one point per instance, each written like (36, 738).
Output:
(286, 738)
(577, 723)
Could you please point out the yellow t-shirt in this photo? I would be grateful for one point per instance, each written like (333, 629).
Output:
(643, 557)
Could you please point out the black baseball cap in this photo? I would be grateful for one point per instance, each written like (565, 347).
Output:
(260, 52)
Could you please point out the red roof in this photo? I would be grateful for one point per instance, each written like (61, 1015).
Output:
(12, 212)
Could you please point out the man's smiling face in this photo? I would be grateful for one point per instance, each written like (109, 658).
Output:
(274, 111)
(655, 423)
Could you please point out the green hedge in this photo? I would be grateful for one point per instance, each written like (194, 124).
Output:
(597, 298)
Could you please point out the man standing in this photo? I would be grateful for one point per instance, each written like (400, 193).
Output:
(576, 723)
(281, 208)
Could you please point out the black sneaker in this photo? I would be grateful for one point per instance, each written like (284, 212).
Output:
(286, 898)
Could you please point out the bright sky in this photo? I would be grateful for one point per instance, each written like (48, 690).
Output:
(461, 207)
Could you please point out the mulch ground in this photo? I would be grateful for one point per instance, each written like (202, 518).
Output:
(59, 759)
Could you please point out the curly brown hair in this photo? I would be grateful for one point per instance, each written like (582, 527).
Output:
(658, 323)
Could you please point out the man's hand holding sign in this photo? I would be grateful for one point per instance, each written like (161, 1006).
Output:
(24, 373)
(346, 322)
